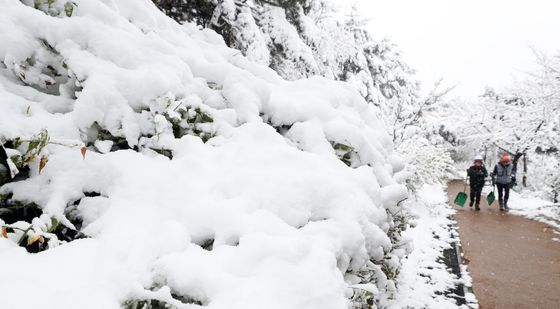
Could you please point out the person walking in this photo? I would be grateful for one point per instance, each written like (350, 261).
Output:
(503, 177)
(477, 174)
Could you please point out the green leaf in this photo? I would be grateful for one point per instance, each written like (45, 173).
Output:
(32, 145)
(17, 142)
(44, 139)
(4, 197)
(206, 118)
(69, 8)
(342, 147)
(54, 225)
(18, 160)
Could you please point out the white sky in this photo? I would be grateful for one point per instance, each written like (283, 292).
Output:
(473, 43)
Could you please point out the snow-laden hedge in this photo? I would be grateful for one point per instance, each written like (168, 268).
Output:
(155, 166)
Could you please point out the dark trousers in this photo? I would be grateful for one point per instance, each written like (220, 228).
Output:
(475, 195)
(503, 193)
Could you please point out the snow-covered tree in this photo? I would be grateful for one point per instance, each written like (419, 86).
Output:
(523, 121)
(304, 38)
(417, 134)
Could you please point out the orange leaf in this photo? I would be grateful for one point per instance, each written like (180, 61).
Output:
(31, 240)
(42, 163)
(83, 150)
(4, 232)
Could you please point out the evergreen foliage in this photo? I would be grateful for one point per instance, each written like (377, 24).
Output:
(304, 38)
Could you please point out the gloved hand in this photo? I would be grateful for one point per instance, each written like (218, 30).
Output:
(513, 182)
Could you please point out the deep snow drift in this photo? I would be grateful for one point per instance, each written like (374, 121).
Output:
(208, 180)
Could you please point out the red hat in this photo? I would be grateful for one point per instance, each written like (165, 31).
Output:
(505, 159)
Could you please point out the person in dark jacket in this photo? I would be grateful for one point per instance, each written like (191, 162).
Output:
(477, 174)
(503, 177)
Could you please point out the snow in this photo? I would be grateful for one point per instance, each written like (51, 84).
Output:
(424, 277)
(292, 226)
(529, 204)
(534, 208)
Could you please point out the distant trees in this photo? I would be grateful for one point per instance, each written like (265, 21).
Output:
(523, 121)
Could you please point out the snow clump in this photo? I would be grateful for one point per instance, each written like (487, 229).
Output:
(206, 179)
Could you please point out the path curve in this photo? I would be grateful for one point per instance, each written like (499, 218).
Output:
(513, 261)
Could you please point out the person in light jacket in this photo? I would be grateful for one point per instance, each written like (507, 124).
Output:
(503, 177)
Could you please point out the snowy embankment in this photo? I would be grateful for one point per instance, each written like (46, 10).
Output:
(425, 279)
(207, 180)
(536, 209)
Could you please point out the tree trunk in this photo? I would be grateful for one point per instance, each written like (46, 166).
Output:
(516, 158)
(515, 161)
(525, 170)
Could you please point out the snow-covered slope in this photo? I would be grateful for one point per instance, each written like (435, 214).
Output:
(207, 180)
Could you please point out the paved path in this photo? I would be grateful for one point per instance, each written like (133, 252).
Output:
(512, 260)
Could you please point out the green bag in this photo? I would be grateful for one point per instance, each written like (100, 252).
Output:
(490, 198)
(461, 197)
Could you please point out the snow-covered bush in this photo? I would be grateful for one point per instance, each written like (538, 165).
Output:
(420, 139)
(427, 163)
(303, 38)
(206, 179)
(543, 175)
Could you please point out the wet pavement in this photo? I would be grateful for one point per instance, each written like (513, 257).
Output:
(513, 261)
